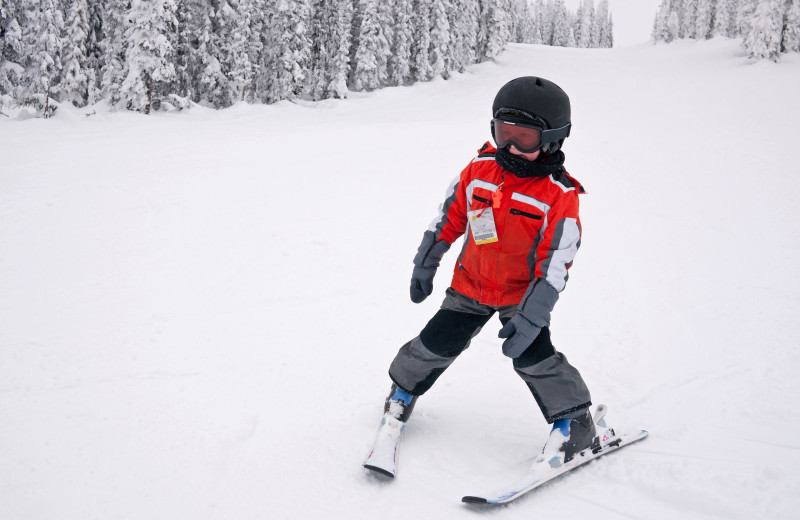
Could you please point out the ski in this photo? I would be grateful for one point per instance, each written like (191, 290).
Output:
(543, 471)
(382, 457)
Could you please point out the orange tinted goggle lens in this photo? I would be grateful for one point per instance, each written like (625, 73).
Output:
(526, 139)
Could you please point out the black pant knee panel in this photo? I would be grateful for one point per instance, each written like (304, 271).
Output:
(448, 332)
(541, 349)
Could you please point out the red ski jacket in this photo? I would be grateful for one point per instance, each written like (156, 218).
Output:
(536, 230)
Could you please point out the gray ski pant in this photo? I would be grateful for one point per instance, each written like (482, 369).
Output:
(556, 385)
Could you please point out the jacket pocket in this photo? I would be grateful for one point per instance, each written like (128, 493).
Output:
(482, 200)
(515, 211)
(523, 225)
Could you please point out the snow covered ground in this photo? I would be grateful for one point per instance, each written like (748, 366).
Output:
(197, 310)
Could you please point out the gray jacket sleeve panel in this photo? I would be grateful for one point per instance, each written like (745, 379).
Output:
(433, 247)
(430, 251)
(564, 246)
(538, 302)
(440, 221)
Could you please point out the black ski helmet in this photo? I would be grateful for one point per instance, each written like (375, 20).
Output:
(534, 101)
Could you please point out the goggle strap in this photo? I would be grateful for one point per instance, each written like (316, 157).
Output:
(556, 134)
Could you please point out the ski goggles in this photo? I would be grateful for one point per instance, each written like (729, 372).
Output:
(526, 138)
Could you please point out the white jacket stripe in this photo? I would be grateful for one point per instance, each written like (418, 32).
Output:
(438, 223)
(530, 201)
(561, 257)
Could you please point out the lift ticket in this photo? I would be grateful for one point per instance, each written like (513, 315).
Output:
(481, 221)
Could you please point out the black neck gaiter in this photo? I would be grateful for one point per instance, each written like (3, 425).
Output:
(542, 167)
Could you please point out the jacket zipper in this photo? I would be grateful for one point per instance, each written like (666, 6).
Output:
(515, 211)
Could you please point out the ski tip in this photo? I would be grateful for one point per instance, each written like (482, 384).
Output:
(380, 471)
(474, 500)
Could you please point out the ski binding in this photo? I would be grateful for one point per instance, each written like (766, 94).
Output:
(543, 470)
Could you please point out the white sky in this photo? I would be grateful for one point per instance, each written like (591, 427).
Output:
(633, 19)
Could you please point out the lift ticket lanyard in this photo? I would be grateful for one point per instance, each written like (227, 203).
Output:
(481, 221)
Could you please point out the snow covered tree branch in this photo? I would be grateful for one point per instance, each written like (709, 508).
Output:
(768, 28)
(146, 55)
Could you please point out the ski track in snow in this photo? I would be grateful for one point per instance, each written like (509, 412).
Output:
(198, 310)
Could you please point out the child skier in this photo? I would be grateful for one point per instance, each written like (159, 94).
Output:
(519, 209)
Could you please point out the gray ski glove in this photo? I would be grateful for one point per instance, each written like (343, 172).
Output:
(533, 313)
(429, 254)
(421, 283)
(520, 334)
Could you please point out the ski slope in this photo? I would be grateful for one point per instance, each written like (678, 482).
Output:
(198, 310)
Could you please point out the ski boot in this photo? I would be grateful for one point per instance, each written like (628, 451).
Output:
(568, 438)
(399, 404)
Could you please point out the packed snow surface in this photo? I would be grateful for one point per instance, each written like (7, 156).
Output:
(198, 310)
